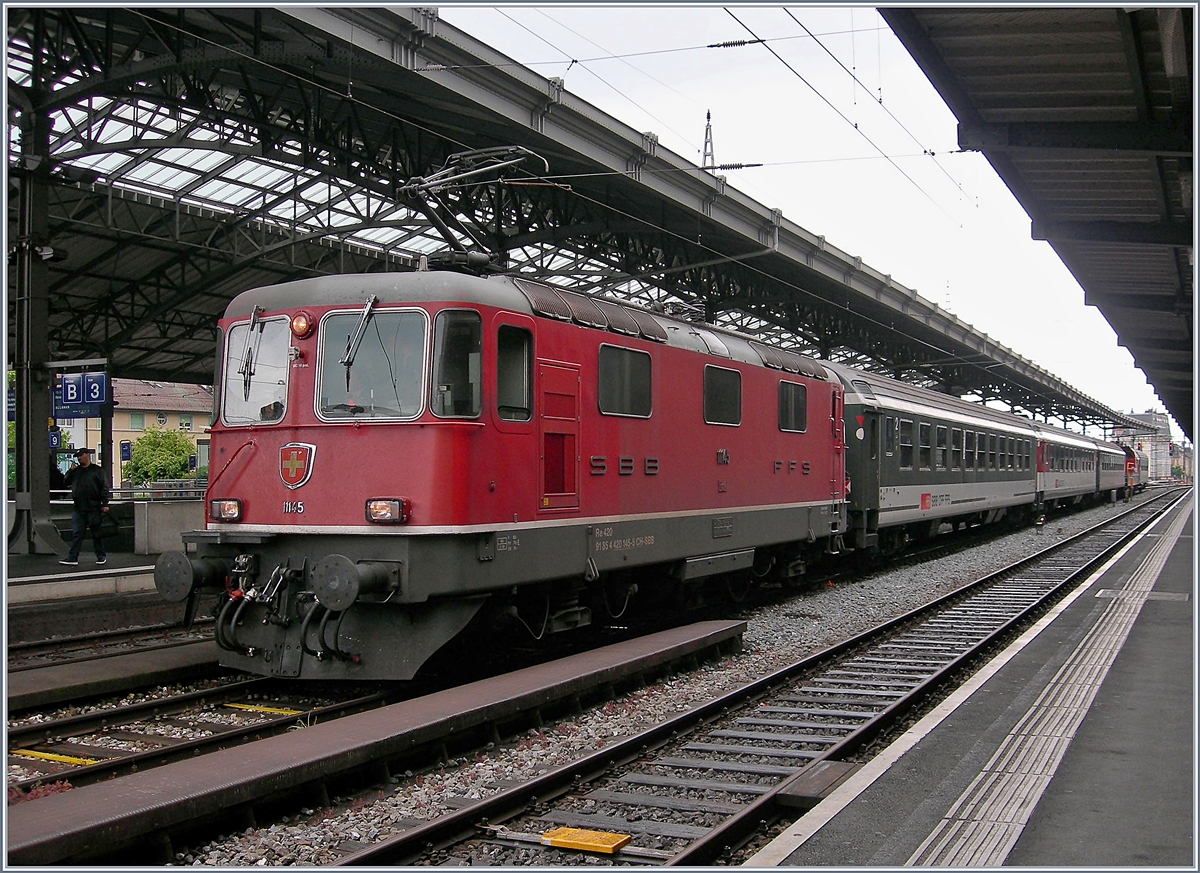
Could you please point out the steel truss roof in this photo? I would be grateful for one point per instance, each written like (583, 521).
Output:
(193, 153)
(1086, 114)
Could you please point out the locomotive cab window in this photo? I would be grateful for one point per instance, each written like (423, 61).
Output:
(255, 371)
(624, 382)
(372, 364)
(722, 396)
(457, 370)
(514, 373)
(793, 407)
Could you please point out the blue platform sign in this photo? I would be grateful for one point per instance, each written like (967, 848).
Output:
(80, 395)
(72, 389)
(126, 450)
(95, 387)
(55, 439)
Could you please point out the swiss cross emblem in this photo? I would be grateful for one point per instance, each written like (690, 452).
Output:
(296, 463)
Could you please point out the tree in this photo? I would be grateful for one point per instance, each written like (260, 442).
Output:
(158, 454)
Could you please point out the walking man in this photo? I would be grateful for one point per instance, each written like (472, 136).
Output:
(89, 493)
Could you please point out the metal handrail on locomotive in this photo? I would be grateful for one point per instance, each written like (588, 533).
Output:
(397, 456)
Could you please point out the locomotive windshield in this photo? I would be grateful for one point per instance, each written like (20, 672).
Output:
(383, 378)
(256, 371)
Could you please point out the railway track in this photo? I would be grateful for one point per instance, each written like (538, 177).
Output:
(693, 790)
(94, 746)
(35, 654)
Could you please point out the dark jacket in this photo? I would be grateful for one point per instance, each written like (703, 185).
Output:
(89, 487)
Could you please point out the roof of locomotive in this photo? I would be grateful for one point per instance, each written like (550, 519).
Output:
(518, 294)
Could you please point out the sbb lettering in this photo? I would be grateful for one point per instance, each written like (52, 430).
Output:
(626, 464)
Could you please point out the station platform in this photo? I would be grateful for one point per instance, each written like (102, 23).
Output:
(37, 578)
(1074, 747)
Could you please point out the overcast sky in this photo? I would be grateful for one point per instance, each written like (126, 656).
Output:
(856, 145)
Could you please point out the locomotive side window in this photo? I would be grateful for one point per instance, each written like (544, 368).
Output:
(969, 451)
(384, 379)
(457, 370)
(940, 447)
(906, 444)
(624, 382)
(722, 396)
(793, 407)
(926, 447)
(956, 448)
(256, 371)
(514, 373)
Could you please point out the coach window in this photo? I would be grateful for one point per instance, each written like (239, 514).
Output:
(793, 407)
(889, 436)
(514, 373)
(722, 396)
(624, 382)
(969, 452)
(906, 444)
(940, 447)
(956, 448)
(457, 374)
(925, 457)
(991, 452)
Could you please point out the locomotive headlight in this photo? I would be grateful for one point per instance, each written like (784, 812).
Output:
(389, 510)
(302, 324)
(225, 510)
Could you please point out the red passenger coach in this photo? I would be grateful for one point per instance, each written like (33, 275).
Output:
(396, 455)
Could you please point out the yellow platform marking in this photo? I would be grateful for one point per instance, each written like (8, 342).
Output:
(585, 840)
(50, 756)
(271, 709)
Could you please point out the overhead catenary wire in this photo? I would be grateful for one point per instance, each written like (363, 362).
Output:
(842, 116)
(925, 150)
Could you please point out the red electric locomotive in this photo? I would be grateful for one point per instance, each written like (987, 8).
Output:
(395, 454)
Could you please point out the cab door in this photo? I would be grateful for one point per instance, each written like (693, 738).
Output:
(558, 435)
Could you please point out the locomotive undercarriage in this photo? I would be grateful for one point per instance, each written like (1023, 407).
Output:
(375, 607)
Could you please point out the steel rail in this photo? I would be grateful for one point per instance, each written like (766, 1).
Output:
(465, 823)
(121, 762)
(739, 826)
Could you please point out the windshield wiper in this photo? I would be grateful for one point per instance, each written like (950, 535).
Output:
(353, 342)
(246, 370)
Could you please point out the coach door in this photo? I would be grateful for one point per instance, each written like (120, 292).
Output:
(558, 433)
(837, 479)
